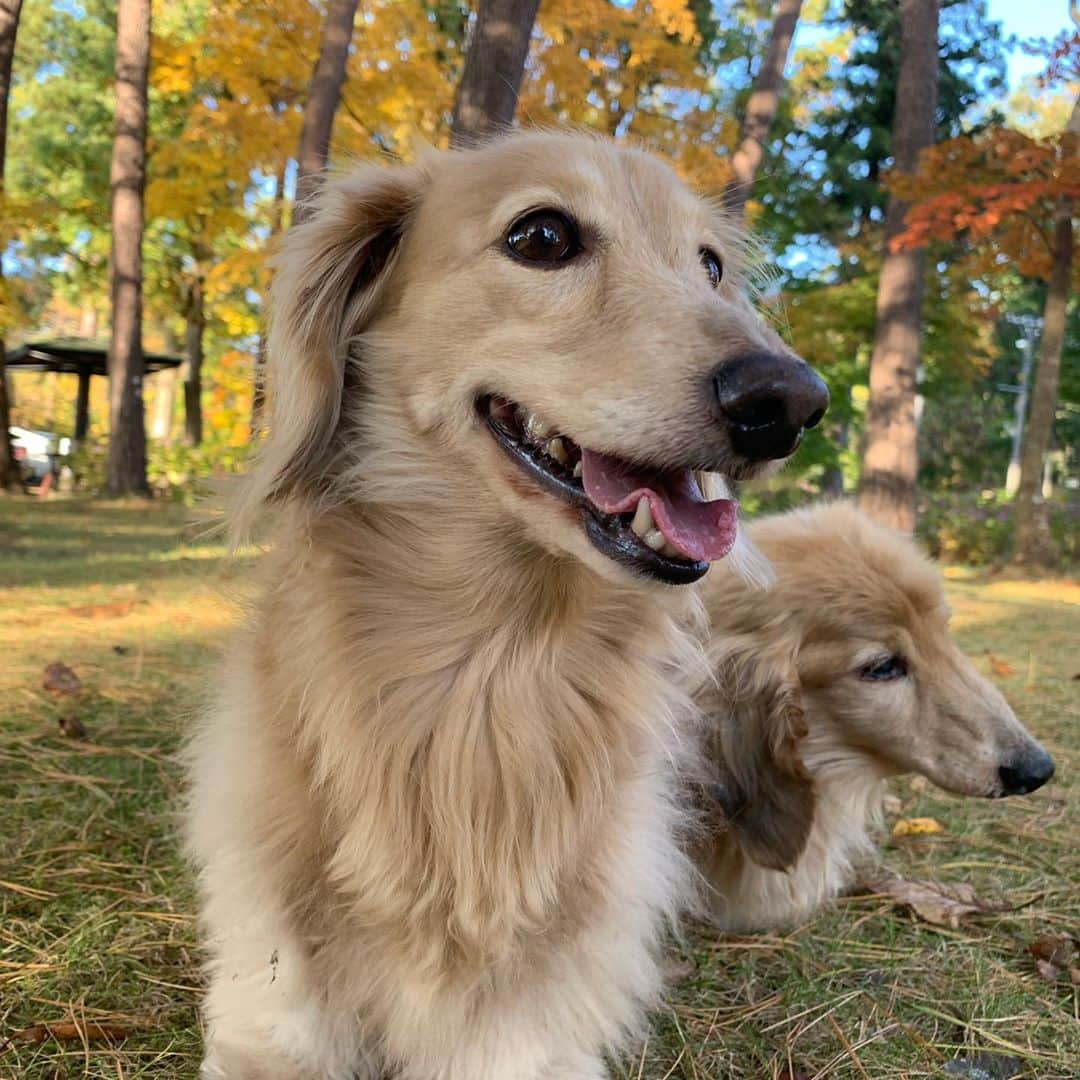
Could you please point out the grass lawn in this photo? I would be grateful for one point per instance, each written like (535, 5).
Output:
(96, 906)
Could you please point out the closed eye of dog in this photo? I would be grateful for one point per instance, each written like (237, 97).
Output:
(884, 669)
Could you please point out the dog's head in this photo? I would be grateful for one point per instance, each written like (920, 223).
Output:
(557, 322)
(846, 667)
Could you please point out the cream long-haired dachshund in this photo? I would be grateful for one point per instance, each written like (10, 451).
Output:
(436, 810)
(842, 673)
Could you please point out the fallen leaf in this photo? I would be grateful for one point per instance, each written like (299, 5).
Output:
(70, 1031)
(917, 826)
(122, 650)
(941, 905)
(115, 610)
(999, 667)
(72, 726)
(58, 678)
(1056, 957)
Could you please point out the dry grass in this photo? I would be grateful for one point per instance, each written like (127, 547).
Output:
(95, 904)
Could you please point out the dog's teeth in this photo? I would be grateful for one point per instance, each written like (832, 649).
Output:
(670, 550)
(556, 450)
(654, 539)
(642, 523)
(535, 428)
(578, 469)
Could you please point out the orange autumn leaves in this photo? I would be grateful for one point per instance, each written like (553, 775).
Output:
(997, 190)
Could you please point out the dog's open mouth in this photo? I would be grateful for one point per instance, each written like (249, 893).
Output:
(656, 522)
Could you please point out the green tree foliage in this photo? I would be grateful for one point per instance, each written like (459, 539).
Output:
(60, 141)
(835, 157)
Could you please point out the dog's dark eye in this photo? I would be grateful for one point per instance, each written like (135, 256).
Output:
(713, 267)
(544, 236)
(885, 669)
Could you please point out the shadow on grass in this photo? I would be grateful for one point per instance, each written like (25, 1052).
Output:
(79, 542)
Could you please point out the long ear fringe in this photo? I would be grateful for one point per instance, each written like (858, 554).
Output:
(330, 275)
(769, 797)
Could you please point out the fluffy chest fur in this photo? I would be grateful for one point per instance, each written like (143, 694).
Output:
(485, 758)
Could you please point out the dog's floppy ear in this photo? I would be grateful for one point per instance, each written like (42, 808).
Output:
(330, 277)
(761, 784)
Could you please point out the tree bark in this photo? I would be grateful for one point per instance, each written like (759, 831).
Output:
(1033, 545)
(126, 463)
(9, 26)
(761, 108)
(890, 460)
(323, 100)
(494, 66)
(82, 407)
(194, 329)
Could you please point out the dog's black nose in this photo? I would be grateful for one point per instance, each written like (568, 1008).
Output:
(1027, 772)
(768, 399)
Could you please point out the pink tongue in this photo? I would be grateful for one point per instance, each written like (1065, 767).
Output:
(697, 529)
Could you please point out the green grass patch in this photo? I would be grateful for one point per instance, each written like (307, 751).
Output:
(96, 906)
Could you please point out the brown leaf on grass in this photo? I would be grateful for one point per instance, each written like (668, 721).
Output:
(70, 1031)
(72, 726)
(941, 905)
(1057, 956)
(115, 610)
(999, 667)
(58, 678)
(792, 1074)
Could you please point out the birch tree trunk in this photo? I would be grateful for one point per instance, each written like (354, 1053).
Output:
(890, 460)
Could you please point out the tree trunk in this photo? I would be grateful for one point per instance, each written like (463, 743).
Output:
(258, 390)
(832, 481)
(323, 100)
(494, 66)
(890, 461)
(82, 407)
(9, 26)
(126, 465)
(1032, 535)
(761, 108)
(194, 329)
